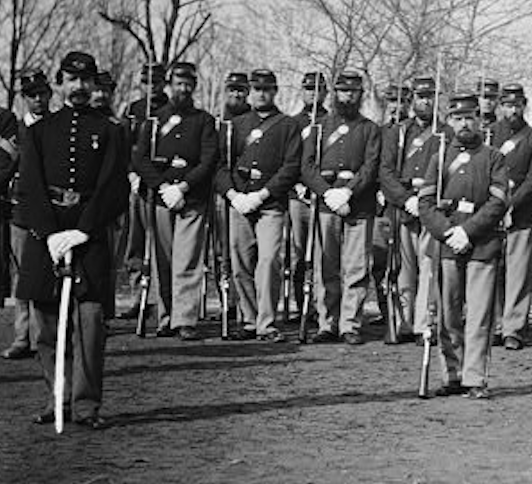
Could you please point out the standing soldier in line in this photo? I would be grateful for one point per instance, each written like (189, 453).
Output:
(397, 106)
(346, 186)
(102, 101)
(488, 98)
(181, 175)
(236, 94)
(513, 137)
(36, 93)
(72, 185)
(465, 223)
(401, 191)
(299, 204)
(266, 163)
(134, 251)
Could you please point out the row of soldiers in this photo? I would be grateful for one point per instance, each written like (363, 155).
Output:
(449, 205)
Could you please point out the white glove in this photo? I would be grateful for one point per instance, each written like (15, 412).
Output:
(457, 239)
(254, 200)
(381, 199)
(508, 219)
(61, 242)
(334, 198)
(240, 203)
(134, 181)
(412, 206)
(172, 196)
(344, 210)
(300, 190)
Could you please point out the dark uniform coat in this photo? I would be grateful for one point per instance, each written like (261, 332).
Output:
(474, 197)
(357, 150)
(74, 149)
(397, 184)
(270, 160)
(519, 164)
(187, 150)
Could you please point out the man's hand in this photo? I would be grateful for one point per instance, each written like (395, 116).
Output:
(344, 210)
(172, 196)
(61, 242)
(134, 181)
(457, 239)
(412, 206)
(240, 203)
(508, 219)
(334, 198)
(381, 199)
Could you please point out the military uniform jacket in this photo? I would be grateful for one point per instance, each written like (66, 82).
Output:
(474, 196)
(187, 150)
(270, 159)
(222, 124)
(396, 184)
(74, 149)
(355, 153)
(519, 164)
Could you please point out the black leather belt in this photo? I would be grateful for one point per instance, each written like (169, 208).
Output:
(330, 176)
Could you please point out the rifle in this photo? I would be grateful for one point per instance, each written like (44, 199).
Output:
(225, 266)
(393, 262)
(145, 277)
(435, 298)
(60, 352)
(287, 269)
(308, 281)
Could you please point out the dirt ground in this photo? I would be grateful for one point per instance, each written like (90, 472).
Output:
(217, 412)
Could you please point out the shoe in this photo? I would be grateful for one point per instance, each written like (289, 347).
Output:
(477, 393)
(188, 333)
(325, 337)
(513, 344)
(274, 336)
(352, 338)
(93, 422)
(49, 417)
(166, 332)
(245, 334)
(131, 313)
(17, 353)
(454, 388)
(497, 340)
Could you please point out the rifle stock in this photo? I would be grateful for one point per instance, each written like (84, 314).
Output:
(287, 269)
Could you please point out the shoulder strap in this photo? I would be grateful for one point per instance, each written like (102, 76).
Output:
(421, 140)
(510, 144)
(259, 132)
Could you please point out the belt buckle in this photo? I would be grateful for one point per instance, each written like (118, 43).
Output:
(345, 175)
(255, 174)
(70, 197)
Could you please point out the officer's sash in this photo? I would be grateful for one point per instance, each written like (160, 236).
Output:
(511, 144)
(259, 132)
(419, 142)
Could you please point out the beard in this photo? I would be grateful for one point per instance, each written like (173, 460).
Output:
(516, 121)
(466, 137)
(425, 113)
(79, 97)
(347, 110)
(182, 101)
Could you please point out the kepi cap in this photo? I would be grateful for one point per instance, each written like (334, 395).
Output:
(79, 64)
(512, 93)
(424, 85)
(349, 81)
(32, 80)
(263, 78)
(391, 93)
(104, 79)
(487, 88)
(463, 102)
(158, 72)
(237, 79)
(309, 80)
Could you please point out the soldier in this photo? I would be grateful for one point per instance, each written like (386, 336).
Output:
(181, 176)
(236, 93)
(36, 93)
(266, 162)
(400, 185)
(134, 251)
(299, 205)
(465, 225)
(102, 101)
(513, 137)
(72, 186)
(346, 186)
(396, 111)
(488, 97)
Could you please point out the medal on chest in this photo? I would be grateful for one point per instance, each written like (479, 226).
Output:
(256, 134)
(343, 129)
